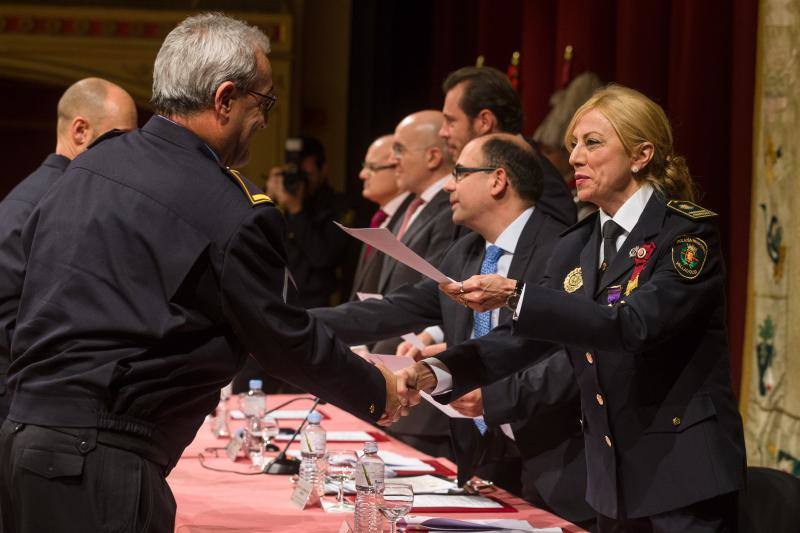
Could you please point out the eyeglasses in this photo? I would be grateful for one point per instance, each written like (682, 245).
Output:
(372, 169)
(398, 150)
(268, 100)
(459, 172)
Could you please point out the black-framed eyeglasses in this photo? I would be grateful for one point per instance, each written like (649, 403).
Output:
(459, 172)
(369, 167)
(268, 100)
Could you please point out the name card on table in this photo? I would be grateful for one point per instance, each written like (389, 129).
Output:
(305, 495)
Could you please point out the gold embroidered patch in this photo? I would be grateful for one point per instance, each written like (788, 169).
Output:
(690, 209)
(255, 199)
(574, 280)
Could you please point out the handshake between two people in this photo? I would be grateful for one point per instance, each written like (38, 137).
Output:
(480, 293)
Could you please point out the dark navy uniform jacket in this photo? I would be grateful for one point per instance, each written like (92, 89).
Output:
(152, 272)
(14, 211)
(660, 420)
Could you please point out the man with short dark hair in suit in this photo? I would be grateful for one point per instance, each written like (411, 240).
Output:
(493, 191)
(379, 186)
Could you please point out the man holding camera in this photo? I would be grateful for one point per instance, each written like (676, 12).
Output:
(315, 246)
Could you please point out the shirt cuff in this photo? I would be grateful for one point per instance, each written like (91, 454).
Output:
(436, 334)
(444, 380)
(519, 303)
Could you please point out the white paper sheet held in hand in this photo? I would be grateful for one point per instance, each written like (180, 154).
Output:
(384, 240)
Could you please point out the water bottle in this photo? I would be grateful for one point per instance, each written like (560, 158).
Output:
(313, 442)
(369, 477)
(254, 405)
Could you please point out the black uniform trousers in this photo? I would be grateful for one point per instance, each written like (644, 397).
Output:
(49, 473)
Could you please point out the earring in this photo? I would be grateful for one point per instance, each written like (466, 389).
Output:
(634, 169)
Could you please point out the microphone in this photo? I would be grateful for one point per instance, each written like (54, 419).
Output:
(283, 465)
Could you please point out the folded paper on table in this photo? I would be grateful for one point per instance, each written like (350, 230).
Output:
(431, 501)
(384, 240)
(426, 484)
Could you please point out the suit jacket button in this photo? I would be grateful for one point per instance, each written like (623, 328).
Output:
(372, 408)
(589, 358)
(676, 421)
(608, 441)
(83, 447)
(599, 399)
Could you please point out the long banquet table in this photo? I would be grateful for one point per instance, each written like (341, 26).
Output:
(212, 501)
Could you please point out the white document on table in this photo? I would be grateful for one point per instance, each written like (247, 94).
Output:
(423, 501)
(384, 240)
(431, 523)
(336, 436)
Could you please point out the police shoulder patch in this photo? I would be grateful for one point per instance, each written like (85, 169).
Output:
(255, 197)
(689, 255)
(690, 209)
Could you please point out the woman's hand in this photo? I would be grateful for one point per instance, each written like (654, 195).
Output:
(482, 292)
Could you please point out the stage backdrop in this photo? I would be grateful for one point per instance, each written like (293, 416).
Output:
(770, 396)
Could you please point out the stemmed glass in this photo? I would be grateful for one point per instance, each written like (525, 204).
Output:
(341, 467)
(395, 501)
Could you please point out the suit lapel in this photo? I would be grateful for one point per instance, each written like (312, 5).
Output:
(648, 225)
(523, 252)
(429, 210)
(387, 264)
(472, 265)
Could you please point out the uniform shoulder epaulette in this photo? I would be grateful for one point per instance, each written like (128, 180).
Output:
(254, 195)
(578, 224)
(690, 209)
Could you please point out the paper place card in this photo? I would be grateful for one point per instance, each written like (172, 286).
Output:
(304, 495)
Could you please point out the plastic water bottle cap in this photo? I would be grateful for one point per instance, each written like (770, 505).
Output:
(370, 447)
(256, 384)
(314, 417)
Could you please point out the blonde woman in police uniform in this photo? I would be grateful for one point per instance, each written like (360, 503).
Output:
(636, 294)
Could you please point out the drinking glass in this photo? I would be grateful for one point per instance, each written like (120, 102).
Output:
(269, 430)
(341, 467)
(395, 501)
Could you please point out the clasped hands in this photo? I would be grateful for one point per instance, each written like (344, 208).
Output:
(482, 292)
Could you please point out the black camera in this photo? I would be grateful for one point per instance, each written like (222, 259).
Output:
(293, 173)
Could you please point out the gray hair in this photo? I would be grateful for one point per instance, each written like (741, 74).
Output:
(198, 55)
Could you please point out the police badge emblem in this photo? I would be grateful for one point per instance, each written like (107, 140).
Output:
(689, 256)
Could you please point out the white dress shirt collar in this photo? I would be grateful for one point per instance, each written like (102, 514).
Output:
(391, 207)
(508, 239)
(434, 189)
(628, 215)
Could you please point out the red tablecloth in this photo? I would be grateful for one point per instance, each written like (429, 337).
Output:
(210, 501)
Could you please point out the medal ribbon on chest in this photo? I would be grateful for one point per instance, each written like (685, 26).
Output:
(641, 255)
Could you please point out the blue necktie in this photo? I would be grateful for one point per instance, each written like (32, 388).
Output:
(483, 321)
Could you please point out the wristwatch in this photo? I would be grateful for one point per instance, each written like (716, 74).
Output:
(513, 299)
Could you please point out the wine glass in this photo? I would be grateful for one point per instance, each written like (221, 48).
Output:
(341, 467)
(269, 430)
(395, 501)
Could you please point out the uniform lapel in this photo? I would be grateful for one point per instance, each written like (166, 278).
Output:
(649, 224)
(589, 258)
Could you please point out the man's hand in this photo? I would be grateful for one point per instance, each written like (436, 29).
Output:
(414, 379)
(471, 404)
(433, 349)
(406, 349)
(480, 293)
(394, 401)
(292, 203)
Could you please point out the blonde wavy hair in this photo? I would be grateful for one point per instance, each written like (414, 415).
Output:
(636, 119)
